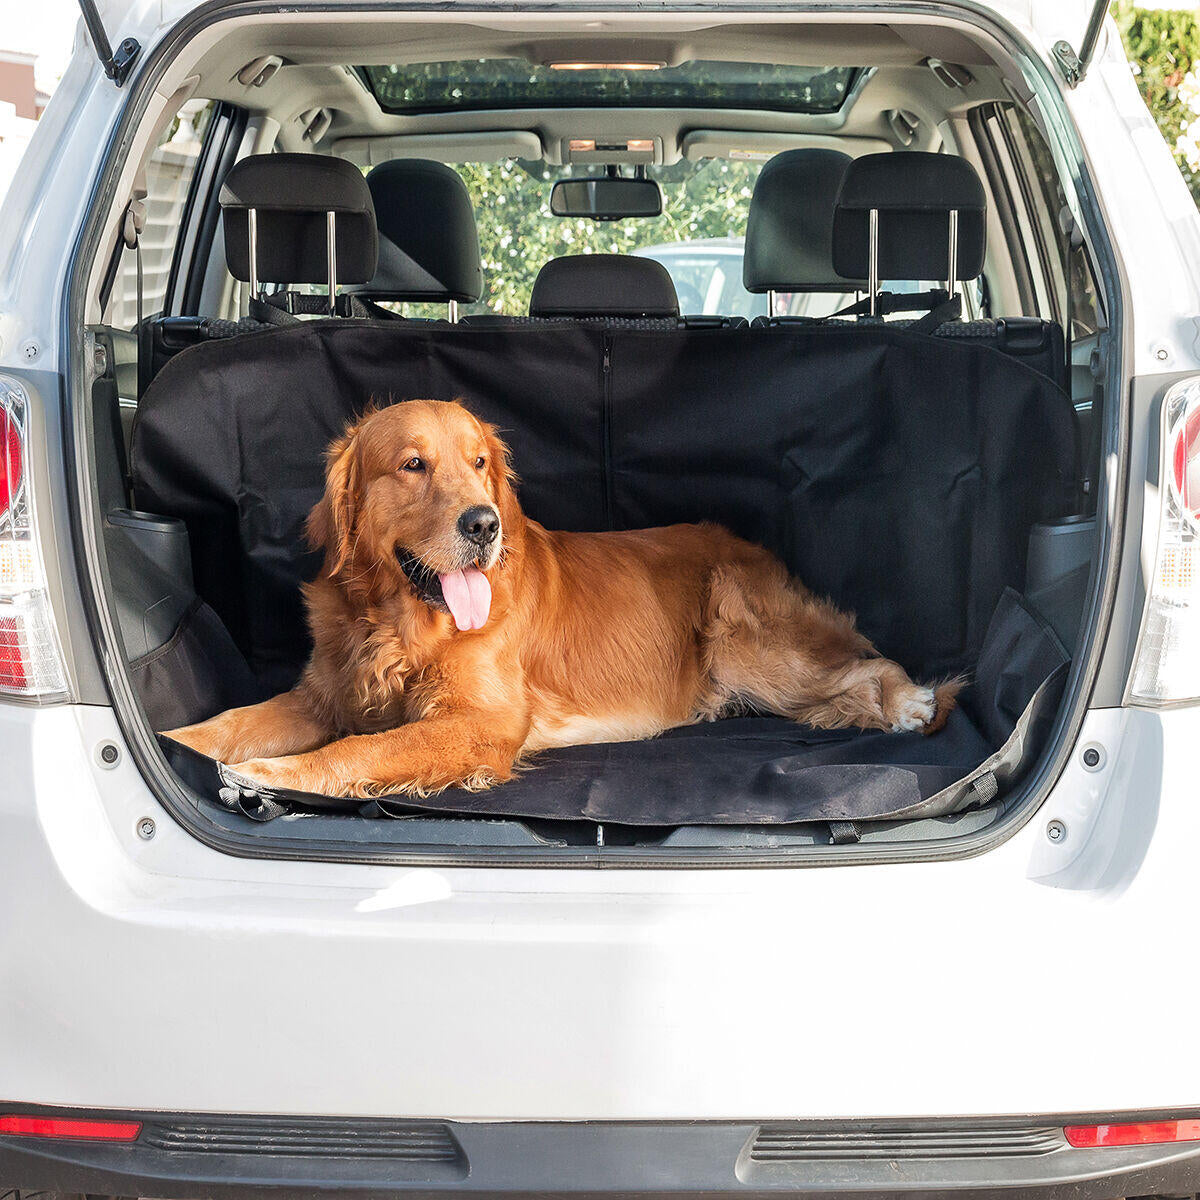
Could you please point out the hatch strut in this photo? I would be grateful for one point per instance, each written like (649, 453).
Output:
(1074, 66)
(116, 66)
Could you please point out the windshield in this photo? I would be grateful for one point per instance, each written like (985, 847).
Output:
(498, 83)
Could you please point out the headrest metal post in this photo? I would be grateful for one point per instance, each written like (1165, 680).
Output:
(873, 260)
(452, 313)
(331, 259)
(952, 268)
(771, 302)
(252, 238)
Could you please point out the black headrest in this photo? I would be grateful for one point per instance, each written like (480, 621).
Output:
(789, 233)
(428, 242)
(603, 285)
(291, 193)
(914, 193)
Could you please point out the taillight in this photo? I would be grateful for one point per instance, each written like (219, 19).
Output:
(10, 460)
(1136, 1133)
(31, 663)
(1166, 668)
(20, 1125)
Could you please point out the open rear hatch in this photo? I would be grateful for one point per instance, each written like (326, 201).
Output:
(928, 473)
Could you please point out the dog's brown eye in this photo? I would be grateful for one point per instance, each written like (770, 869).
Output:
(480, 462)
(415, 464)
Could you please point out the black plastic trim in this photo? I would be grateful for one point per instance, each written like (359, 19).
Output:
(595, 1159)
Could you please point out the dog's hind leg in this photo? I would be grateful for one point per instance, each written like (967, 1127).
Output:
(769, 643)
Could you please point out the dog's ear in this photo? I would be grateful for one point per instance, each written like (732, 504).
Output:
(502, 477)
(330, 525)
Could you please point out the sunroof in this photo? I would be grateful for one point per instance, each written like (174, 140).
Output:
(494, 83)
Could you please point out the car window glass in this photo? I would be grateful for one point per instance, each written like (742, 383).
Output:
(169, 173)
(699, 238)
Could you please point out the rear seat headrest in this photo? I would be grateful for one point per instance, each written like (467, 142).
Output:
(789, 232)
(291, 194)
(603, 285)
(914, 193)
(428, 241)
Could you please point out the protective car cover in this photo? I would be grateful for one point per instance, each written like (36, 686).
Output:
(751, 769)
(897, 473)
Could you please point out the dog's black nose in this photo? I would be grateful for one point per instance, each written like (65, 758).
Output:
(480, 524)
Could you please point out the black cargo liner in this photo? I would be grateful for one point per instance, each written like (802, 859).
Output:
(898, 473)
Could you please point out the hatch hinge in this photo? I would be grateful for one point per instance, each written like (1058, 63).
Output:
(1068, 62)
(1075, 66)
(116, 63)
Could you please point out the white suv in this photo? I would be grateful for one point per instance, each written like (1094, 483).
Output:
(744, 958)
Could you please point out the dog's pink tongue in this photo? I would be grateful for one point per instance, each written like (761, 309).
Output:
(468, 596)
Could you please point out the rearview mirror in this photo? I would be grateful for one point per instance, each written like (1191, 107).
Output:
(606, 198)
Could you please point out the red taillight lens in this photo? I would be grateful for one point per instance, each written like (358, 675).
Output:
(18, 1125)
(1140, 1133)
(1185, 464)
(12, 658)
(10, 459)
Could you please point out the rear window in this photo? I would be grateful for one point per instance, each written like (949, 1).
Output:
(698, 238)
(494, 83)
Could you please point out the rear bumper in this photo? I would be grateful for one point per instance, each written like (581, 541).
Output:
(178, 1157)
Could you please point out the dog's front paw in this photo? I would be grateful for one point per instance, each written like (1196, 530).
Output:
(912, 709)
(272, 774)
(197, 738)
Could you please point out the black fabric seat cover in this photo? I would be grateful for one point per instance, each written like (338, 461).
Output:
(752, 770)
(231, 438)
(897, 473)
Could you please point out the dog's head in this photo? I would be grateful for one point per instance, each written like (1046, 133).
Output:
(419, 496)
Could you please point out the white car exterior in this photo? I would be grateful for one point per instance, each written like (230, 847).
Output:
(1039, 977)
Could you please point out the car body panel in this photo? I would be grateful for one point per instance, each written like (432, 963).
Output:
(166, 975)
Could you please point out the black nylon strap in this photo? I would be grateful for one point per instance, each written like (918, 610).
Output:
(894, 302)
(948, 311)
(843, 833)
(270, 314)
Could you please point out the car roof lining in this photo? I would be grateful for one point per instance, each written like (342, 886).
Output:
(320, 53)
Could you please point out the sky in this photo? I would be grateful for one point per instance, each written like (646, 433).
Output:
(42, 27)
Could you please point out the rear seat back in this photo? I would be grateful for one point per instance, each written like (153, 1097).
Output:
(290, 200)
(895, 472)
(428, 239)
(810, 222)
(604, 285)
(789, 230)
(922, 205)
(614, 291)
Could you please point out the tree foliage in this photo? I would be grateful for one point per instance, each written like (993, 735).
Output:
(517, 232)
(1163, 46)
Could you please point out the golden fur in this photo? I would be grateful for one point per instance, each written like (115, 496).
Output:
(591, 636)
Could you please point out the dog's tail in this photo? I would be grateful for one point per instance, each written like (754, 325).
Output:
(945, 699)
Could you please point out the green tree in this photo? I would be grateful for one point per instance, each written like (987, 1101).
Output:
(1164, 47)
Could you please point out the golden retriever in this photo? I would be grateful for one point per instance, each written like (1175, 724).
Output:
(454, 636)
